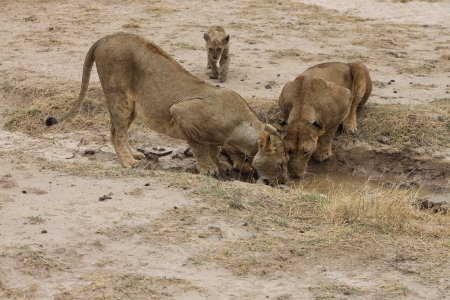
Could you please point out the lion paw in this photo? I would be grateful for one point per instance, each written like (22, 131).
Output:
(225, 167)
(138, 155)
(322, 156)
(349, 128)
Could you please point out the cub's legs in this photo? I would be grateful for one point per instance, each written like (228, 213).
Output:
(224, 64)
(323, 149)
(214, 69)
(121, 110)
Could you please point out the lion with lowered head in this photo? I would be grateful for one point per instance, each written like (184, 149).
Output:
(315, 104)
(217, 49)
(354, 76)
(314, 109)
(140, 80)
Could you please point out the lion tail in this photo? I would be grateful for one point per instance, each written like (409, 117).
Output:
(361, 83)
(87, 67)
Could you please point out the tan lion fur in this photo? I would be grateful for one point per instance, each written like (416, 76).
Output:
(314, 109)
(354, 76)
(217, 49)
(141, 80)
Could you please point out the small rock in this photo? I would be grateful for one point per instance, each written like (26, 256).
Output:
(392, 80)
(242, 79)
(147, 184)
(395, 92)
(278, 75)
(217, 85)
(24, 192)
(50, 29)
(389, 82)
(104, 197)
(175, 207)
(268, 87)
(245, 224)
(44, 231)
(258, 82)
(446, 92)
(411, 82)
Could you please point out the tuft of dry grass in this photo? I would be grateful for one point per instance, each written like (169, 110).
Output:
(329, 290)
(33, 262)
(131, 25)
(116, 286)
(406, 126)
(387, 209)
(35, 220)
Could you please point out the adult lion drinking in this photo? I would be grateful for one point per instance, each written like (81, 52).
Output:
(141, 80)
(315, 104)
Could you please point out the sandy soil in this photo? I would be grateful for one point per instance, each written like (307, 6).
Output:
(154, 237)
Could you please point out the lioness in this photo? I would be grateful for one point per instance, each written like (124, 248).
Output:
(314, 109)
(140, 79)
(217, 49)
(353, 76)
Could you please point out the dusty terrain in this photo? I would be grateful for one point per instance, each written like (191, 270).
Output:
(73, 225)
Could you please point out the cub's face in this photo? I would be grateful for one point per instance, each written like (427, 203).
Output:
(271, 160)
(301, 141)
(215, 47)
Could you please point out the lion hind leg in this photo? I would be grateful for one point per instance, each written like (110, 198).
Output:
(136, 155)
(121, 111)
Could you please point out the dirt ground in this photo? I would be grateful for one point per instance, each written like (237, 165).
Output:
(74, 225)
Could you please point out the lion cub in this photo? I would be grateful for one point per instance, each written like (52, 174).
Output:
(217, 48)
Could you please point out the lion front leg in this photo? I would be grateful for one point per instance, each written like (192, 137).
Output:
(203, 162)
(224, 64)
(323, 149)
(214, 70)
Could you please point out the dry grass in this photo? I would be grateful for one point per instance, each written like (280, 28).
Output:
(407, 126)
(37, 263)
(128, 286)
(388, 209)
(35, 220)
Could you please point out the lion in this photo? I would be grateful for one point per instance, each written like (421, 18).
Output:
(217, 48)
(314, 109)
(354, 76)
(140, 80)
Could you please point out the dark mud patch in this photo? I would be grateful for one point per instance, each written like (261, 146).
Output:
(386, 163)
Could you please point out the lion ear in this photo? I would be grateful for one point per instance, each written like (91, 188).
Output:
(206, 37)
(226, 39)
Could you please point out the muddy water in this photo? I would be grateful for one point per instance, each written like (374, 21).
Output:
(324, 182)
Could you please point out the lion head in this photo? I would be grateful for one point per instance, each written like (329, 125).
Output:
(271, 160)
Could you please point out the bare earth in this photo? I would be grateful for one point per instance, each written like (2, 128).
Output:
(169, 234)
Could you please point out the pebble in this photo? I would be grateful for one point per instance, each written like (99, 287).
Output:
(104, 197)
(44, 231)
